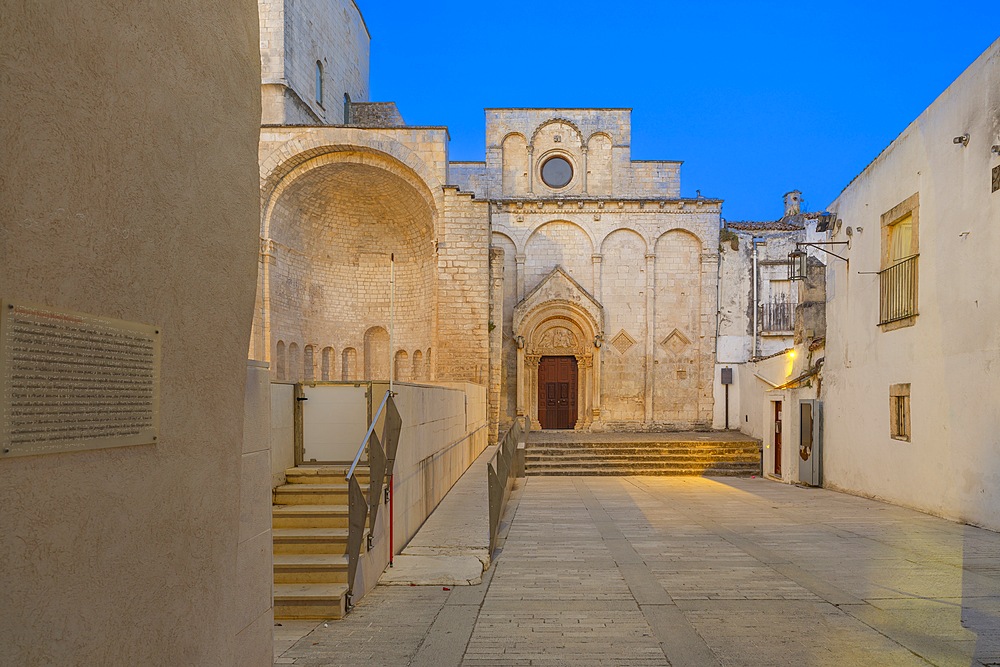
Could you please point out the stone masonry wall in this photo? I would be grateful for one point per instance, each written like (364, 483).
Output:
(295, 34)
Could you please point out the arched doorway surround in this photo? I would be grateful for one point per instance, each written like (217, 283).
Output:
(559, 319)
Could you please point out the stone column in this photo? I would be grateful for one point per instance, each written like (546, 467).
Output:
(587, 382)
(581, 392)
(521, 382)
(650, 333)
(595, 399)
(531, 363)
(531, 169)
(496, 341)
(266, 261)
(519, 262)
(584, 149)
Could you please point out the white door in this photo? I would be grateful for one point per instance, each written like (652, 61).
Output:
(334, 422)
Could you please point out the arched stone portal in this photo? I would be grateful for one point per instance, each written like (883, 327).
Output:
(559, 319)
(328, 231)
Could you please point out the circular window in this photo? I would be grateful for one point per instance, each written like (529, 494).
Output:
(557, 172)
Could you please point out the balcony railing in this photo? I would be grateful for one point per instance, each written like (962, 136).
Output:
(898, 291)
(777, 316)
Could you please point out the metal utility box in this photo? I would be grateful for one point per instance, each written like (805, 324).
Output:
(810, 442)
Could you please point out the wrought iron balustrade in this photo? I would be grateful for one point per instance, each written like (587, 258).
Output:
(898, 291)
(777, 315)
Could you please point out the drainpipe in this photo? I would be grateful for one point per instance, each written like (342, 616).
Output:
(756, 297)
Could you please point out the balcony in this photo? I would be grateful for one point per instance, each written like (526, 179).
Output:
(898, 291)
(778, 316)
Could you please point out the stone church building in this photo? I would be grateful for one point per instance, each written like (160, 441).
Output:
(576, 283)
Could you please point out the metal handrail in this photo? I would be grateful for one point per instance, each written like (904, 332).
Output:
(368, 434)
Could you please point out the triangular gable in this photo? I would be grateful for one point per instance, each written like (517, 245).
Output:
(559, 287)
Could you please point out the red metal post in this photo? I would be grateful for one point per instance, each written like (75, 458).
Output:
(391, 550)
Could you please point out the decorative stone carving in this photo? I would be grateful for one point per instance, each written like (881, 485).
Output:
(558, 338)
(675, 342)
(623, 342)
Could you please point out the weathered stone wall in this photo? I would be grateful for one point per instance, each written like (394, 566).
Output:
(129, 147)
(294, 36)
(337, 202)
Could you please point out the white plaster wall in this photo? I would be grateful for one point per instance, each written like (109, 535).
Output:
(951, 356)
(282, 431)
(130, 191)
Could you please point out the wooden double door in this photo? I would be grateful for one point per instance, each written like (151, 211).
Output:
(557, 391)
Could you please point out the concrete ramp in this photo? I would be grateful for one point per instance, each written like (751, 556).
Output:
(452, 548)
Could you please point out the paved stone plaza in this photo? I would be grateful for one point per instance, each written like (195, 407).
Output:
(690, 571)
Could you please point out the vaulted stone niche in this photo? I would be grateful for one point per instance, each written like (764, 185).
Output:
(329, 231)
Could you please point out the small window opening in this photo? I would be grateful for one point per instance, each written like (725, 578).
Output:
(899, 411)
(319, 83)
(347, 109)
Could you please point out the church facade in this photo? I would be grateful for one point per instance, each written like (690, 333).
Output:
(576, 283)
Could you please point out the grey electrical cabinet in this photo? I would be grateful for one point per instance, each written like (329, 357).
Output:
(810, 442)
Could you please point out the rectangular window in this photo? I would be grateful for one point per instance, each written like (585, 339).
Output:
(899, 411)
(898, 278)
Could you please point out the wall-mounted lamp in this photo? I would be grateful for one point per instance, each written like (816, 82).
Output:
(520, 342)
(797, 259)
(598, 340)
(964, 139)
(797, 264)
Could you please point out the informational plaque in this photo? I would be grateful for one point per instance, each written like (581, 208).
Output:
(70, 381)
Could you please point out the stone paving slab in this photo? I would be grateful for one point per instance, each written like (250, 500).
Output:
(693, 571)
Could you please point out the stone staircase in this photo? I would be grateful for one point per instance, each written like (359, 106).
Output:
(619, 455)
(309, 528)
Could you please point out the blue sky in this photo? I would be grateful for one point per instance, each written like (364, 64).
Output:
(757, 98)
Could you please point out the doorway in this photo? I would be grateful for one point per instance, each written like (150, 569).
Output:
(777, 437)
(557, 387)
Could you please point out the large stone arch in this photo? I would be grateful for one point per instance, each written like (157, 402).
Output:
(331, 224)
(559, 243)
(680, 364)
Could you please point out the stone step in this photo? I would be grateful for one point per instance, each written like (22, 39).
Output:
(309, 516)
(313, 494)
(641, 472)
(310, 601)
(640, 456)
(650, 465)
(640, 447)
(324, 475)
(310, 568)
(310, 540)
(625, 463)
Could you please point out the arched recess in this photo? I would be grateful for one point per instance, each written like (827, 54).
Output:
(623, 293)
(309, 364)
(327, 364)
(331, 224)
(349, 364)
(559, 328)
(559, 243)
(401, 367)
(677, 328)
(376, 354)
(514, 171)
(280, 362)
(294, 363)
(599, 164)
(419, 372)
